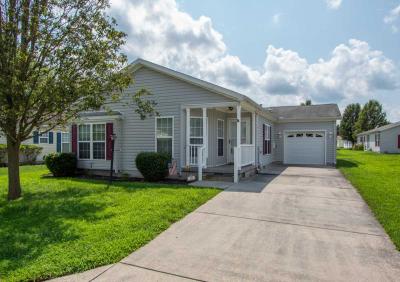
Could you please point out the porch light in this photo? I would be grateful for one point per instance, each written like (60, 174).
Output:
(230, 108)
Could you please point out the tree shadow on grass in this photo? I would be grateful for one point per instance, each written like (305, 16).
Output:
(347, 163)
(28, 226)
(132, 186)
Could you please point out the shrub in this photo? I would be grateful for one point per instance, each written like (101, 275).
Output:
(3, 152)
(358, 147)
(30, 152)
(61, 164)
(153, 166)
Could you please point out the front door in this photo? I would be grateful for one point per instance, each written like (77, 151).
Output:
(244, 134)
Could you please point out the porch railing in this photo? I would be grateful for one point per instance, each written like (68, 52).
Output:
(194, 152)
(248, 154)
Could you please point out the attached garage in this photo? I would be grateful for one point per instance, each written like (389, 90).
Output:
(305, 134)
(305, 147)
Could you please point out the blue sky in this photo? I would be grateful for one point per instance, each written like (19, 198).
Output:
(308, 27)
(276, 52)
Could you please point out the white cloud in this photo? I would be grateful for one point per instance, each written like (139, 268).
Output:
(160, 32)
(276, 18)
(333, 4)
(392, 18)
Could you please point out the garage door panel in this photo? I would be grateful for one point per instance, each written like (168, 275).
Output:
(304, 148)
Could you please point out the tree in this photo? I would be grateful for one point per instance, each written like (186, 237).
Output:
(306, 103)
(347, 127)
(57, 58)
(371, 116)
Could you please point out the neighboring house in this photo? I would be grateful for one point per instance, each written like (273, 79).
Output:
(51, 142)
(384, 139)
(199, 120)
(344, 143)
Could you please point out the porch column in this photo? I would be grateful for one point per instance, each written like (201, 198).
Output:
(238, 134)
(187, 136)
(205, 137)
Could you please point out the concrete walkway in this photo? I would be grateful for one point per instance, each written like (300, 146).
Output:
(305, 224)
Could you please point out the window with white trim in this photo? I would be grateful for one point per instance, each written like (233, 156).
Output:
(220, 137)
(92, 141)
(267, 146)
(164, 135)
(99, 141)
(65, 142)
(44, 138)
(196, 131)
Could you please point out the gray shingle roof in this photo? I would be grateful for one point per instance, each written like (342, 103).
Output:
(325, 111)
(379, 129)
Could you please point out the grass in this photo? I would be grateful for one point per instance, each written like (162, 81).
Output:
(377, 178)
(67, 225)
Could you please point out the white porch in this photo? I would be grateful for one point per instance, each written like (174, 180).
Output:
(211, 135)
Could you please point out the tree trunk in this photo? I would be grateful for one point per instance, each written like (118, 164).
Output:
(14, 185)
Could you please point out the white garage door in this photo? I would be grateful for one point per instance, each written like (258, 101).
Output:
(304, 147)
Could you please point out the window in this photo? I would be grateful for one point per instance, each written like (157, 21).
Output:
(196, 131)
(377, 139)
(44, 138)
(309, 135)
(318, 135)
(290, 136)
(220, 137)
(164, 135)
(99, 141)
(84, 141)
(267, 132)
(65, 142)
(299, 135)
(92, 141)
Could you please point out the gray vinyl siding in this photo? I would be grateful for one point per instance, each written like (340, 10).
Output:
(389, 139)
(262, 159)
(138, 135)
(329, 126)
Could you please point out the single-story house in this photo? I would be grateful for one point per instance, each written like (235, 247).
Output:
(342, 143)
(199, 124)
(384, 139)
(56, 140)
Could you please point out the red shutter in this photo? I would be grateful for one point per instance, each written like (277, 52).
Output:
(398, 141)
(263, 141)
(74, 138)
(109, 133)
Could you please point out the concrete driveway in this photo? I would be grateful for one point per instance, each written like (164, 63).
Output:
(304, 224)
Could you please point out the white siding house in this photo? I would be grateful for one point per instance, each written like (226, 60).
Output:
(384, 139)
(57, 140)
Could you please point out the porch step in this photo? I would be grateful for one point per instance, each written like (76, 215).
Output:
(222, 173)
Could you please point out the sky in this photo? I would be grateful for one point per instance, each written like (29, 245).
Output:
(276, 52)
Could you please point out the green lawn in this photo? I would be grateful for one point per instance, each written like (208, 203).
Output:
(377, 178)
(63, 226)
